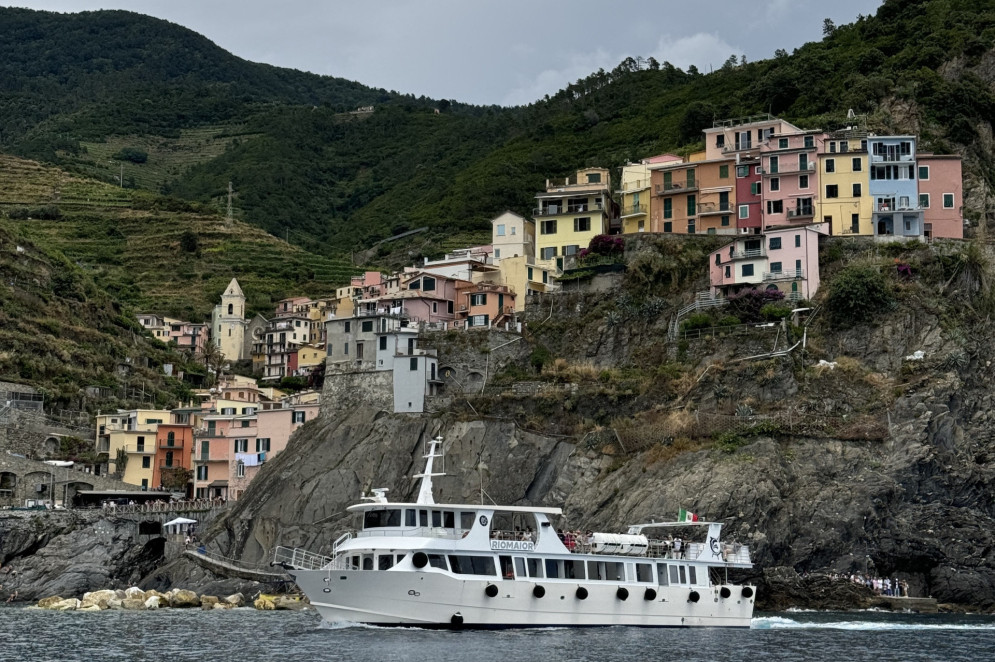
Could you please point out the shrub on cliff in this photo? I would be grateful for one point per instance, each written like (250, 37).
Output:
(857, 294)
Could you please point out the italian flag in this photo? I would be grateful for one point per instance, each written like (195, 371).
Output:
(685, 516)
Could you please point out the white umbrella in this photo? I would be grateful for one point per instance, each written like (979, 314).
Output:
(180, 520)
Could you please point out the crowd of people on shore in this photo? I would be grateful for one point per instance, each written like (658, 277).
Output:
(890, 587)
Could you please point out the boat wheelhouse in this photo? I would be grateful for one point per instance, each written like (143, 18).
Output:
(444, 565)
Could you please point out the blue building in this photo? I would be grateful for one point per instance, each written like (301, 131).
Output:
(893, 186)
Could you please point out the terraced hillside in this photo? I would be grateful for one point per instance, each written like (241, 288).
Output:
(133, 245)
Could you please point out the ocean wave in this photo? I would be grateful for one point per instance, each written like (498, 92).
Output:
(782, 623)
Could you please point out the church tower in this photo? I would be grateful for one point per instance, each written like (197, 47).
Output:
(228, 322)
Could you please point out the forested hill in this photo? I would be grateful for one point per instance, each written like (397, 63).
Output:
(194, 117)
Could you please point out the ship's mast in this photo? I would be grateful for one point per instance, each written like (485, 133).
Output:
(425, 491)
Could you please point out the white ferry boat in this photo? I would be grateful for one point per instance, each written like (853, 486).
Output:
(482, 566)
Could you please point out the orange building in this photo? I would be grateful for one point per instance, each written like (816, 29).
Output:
(173, 449)
(694, 196)
(485, 304)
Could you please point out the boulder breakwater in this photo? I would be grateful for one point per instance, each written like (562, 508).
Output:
(135, 599)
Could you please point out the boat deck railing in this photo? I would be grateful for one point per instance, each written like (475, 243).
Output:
(299, 559)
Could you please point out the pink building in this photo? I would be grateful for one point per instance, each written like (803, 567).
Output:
(293, 306)
(272, 432)
(941, 195)
(485, 304)
(790, 183)
(215, 446)
(785, 259)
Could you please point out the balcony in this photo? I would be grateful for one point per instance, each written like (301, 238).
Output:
(165, 445)
(748, 254)
(804, 212)
(714, 208)
(791, 274)
(557, 210)
(147, 449)
(885, 208)
(767, 172)
(680, 187)
(740, 147)
(633, 210)
(892, 157)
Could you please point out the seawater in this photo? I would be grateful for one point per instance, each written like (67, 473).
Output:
(247, 635)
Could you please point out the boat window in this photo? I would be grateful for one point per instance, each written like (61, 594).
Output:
(385, 561)
(535, 567)
(614, 572)
(367, 562)
(644, 572)
(355, 562)
(422, 518)
(378, 518)
(506, 570)
(684, 575)
(595, 571)
(573, 569)
(410, 517)
(553, 568)
(466, 519)
(519, 566)
(661, 573)
(437, 561)
(692, 575)
(400, 557)
(449, 519)
(673, 574)
(436, 518)
(472, 565)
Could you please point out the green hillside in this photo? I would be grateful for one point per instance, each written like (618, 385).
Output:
(333, 182)
(130, 243)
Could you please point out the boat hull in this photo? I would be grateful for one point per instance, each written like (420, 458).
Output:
(429, 599)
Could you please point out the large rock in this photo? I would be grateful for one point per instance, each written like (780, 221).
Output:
(49, 602)
(133, 604)
(235, 600)
(134, 593)
(208, 601)
(69, 604)
(183, 598)
(90, 608)
(101, 599)
(153, 602)
(264, 603)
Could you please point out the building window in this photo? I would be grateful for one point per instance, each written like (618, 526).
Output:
(500, 230)
(668, 207)
(692, 205)
(809, 141)
(241, 445)
(477, 320)
(545, 276)
(571, 250)
(755, 188)
(641, 226)
(240, 469)
(348, 327)
(856, 190)
(924, 200)
(775, 243)
(202, 472)
(367, 326)
(428, 284)
(497, 252)
(775, 267)
(262, 444)
(855, 223)
(478, 299)
(832, 191)
(747, 269)
(773, 165)
(775, 183)
(383, 343)
(728, 271)
(691, 229)
(720, 140)
(782, 143)
(298, 417)
(346, 349)
(548, 227)
(594, 178)
(413, 363)
(146, 462)
(948, 200)
(744, 211)
(742, 171)
(231, 309)
(548, 253)
(725, 220)
(718, 259)
(798, 241)
(775, 206)
(802, 181)
(923, 172)
(857, 166)
(830, 165)
(723, 172)
(668, 226)
(582, 224)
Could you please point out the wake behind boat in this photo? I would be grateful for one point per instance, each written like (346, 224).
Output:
(458, 565)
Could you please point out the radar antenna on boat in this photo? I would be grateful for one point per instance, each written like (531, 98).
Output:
(425, 491)
(377, 495)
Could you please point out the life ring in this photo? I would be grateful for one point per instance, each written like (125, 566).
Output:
(581, 593)
(622, 593)
(457, 619)
(491, 591)
(650, 594)
(420, 559)
(747, 592)
(538, 591)
(694, 597)
(725, 592)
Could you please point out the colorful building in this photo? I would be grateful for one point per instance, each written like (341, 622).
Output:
(569, 214)
(784, 259)
(895, 209)
(228, 323)
(173, 453)
(941, 195)
(512, 236)
(845, 204)
(482, 305)
(790, 183)
(749, 196)
(129, 436)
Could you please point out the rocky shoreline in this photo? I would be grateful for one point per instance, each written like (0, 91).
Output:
(135, 599)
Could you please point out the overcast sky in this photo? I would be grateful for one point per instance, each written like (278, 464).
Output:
(504, 52)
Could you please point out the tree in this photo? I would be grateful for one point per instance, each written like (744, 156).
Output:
(214, 360)
(697, 116)
(780, 53)
(176, 478)
(652, 63)
(188, 242)
(828, 27)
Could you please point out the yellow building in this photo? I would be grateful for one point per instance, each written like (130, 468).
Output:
(634, 198)
(571, 213)
(843, 199)
(133, 433)
(309, 356)
(523, 275)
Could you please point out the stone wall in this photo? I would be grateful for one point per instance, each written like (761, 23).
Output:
(469, 358)
(20, 478)
(32, 433)
(345, 391)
